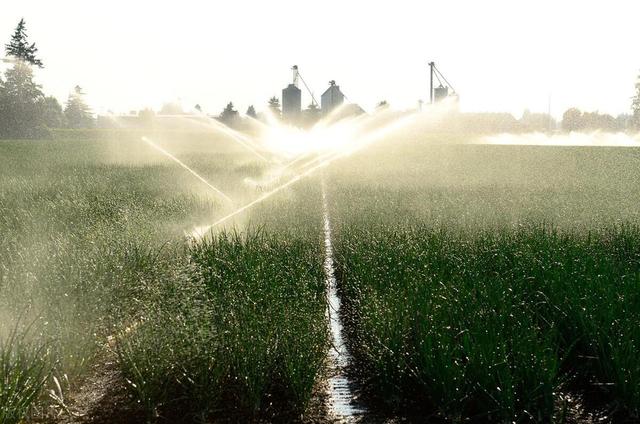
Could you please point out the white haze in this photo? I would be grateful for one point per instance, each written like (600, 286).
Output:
(500, 55)
(595, 138)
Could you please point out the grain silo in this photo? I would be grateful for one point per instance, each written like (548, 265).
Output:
(292, 99)
(331, 98)
(443, 90)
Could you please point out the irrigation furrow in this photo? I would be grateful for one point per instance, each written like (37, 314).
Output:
(342, 403)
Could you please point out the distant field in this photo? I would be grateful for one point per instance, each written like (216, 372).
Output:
(494, 283)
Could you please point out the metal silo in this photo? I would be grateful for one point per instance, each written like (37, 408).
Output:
(331, 98)
(292, 99)
(440, 93)
(291, 103)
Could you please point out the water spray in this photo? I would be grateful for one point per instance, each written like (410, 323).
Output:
(244, 141)
(324, 161)
(182, 164)
(238, 137)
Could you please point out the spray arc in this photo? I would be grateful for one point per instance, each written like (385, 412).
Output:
(191, 171)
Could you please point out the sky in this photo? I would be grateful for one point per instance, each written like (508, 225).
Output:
(499, 55)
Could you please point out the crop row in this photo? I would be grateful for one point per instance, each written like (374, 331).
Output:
(240, 333)
(493, 325)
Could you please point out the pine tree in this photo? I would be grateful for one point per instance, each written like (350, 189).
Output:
(19, 47)
(229, 114)
(251, 112)
(274, 106)
(311, 115)
(77, 112)
(52, 113)
(21, 104)
(382, 105)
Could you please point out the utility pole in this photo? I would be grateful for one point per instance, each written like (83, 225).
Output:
(549, 113)
(431, 65)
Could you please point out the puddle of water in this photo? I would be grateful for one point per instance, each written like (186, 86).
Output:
(341, 399)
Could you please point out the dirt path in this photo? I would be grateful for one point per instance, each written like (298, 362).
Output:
(101, 397)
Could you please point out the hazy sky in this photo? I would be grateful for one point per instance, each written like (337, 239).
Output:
(500, 55)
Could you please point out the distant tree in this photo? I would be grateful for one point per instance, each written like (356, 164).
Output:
(21, 102)
(171, 108)
(624, 122)
(77, 112)
(311, 114)
(537, 121)
(313, 109)
(20, 48)
(52, 113)
(576, 120)
(147, 117)
(274, 106)
(598, 121)
(198, 108)
(251, 112)
(572, 120)
(229, 115)
(635, 105)
(382, 105)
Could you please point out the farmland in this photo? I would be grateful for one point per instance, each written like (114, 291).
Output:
(493, 283)
(487, 282)
(94, 245)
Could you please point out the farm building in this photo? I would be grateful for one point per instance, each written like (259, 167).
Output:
(291, 103)
(331, 98)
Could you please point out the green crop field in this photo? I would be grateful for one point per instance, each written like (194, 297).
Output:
(479, 282)
(492, 283)
(95, 261)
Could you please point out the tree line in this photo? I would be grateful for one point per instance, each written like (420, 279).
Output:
(572, 120)
(576, 120)
(25, 111)
(230, 116)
